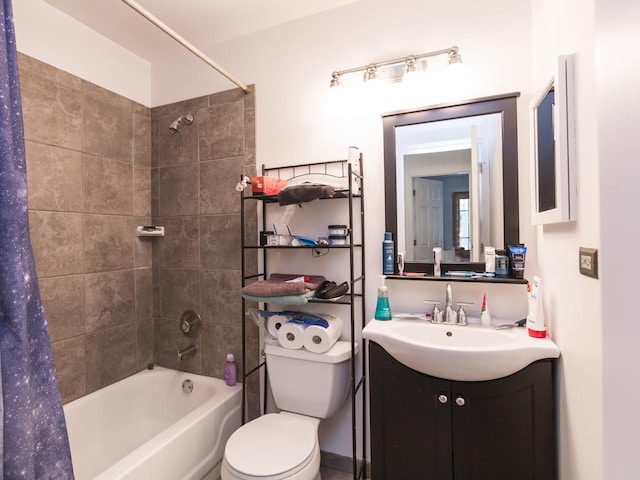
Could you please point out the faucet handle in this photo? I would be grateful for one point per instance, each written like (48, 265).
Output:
(436, 313)
(462, 315)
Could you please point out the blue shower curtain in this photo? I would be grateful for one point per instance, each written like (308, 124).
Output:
(34, 438)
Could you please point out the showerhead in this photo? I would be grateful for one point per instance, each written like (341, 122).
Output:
(176, 125)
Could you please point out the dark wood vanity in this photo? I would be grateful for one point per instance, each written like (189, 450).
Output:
(429, 428)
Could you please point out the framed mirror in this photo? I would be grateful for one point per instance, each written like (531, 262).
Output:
(451, 180)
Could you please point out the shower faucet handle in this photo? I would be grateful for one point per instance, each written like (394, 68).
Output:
(190, 323)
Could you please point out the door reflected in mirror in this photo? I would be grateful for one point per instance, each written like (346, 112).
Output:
(450, 173)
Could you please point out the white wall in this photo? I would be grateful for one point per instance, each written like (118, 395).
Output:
(53, 37)
(573, 303)
(618, 111)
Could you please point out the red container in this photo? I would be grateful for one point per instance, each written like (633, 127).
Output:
(267, 185)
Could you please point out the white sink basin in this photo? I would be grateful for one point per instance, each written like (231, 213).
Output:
(454, 352)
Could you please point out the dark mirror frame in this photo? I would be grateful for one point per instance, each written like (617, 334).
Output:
(503, 104)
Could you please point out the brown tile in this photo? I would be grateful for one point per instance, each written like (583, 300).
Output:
(144, 293)
(155, 192)
(180, 246)
(108, 186)
(178, 190)
(109, 299)
(179, 108)
(57, 242)
(174, 148)
(221, 299)
(142, 135)
(52, 112)
(69, 358)
(220, 242)
(217, 342)
(145, 339)
(44, 70)
(107, 97)
(169, 339)
(111, 355)
(218, 181)
(227, 96)
(250, 136)
(54, 178)
(63, 301)
(141, 190)
(179, 291)
(108, 243)
(107, 129)
(143, 246)
(221, 131)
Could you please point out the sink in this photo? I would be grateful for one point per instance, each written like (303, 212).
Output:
(456, 352)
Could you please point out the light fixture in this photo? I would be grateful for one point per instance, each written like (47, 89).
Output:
(399, 68)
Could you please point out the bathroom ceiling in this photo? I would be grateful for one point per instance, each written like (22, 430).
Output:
(204, 23)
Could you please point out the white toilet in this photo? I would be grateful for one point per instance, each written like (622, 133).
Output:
(307, 387)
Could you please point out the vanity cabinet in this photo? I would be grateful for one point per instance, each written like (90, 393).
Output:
(424, 427)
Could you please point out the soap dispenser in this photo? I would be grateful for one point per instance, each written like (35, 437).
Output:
(383, 311)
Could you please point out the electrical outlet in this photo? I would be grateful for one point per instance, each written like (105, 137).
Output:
(588, 261)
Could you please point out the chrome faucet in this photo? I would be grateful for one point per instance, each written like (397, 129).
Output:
(186, 353)
(449, 314)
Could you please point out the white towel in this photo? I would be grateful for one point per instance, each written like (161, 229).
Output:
(291, 335)
(319, 339)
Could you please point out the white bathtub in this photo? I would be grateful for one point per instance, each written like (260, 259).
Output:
(147, 427)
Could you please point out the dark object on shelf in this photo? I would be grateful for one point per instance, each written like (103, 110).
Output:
(304, 193)
(329, 289)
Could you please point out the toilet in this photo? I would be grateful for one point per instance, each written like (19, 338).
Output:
(306, 387)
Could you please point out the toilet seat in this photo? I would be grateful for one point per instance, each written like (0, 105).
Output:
(273, 446)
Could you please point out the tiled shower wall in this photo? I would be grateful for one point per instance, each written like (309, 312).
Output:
(89, 168)
(197, 264)
(89, 177)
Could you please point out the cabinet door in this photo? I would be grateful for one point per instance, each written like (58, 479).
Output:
(504, 429)
(410, 421)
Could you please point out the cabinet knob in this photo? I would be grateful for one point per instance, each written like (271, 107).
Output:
(460, 401)
(442, 398)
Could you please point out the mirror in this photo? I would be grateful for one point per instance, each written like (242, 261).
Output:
(451, 180)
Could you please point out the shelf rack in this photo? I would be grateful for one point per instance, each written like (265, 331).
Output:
(355, 296)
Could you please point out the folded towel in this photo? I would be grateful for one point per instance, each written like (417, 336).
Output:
(282, 300)
(280, 284)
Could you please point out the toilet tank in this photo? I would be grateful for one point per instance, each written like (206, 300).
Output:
(314, 384)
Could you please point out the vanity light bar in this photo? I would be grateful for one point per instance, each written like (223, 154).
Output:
(409, 62)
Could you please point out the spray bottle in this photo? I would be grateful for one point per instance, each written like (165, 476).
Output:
(383, 311)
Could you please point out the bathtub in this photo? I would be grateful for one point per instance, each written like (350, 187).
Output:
(147, 427)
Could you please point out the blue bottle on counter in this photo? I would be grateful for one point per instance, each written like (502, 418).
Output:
(388, 264)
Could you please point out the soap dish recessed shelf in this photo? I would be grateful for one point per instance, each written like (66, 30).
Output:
(149, 231)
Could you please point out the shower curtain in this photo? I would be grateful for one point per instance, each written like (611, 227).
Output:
(34, 440)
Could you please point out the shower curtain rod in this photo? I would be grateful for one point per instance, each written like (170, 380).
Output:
(186, 44)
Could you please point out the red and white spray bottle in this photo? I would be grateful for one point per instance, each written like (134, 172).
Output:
(535, 318)
(485, 316)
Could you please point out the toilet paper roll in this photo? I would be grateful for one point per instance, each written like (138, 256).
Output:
(319, 339)
(291, 335)
(274, 322)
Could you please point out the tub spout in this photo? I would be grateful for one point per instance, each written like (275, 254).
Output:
(186, 353)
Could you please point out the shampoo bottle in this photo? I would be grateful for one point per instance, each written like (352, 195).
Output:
(388, 257)
(230, 374)
(383, 311)
(535, 318)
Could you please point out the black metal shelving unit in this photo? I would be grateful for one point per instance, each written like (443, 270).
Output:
(355, 297)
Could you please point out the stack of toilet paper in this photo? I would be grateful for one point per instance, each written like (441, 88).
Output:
(295, 333)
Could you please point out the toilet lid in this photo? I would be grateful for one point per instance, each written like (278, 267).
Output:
(271, 445)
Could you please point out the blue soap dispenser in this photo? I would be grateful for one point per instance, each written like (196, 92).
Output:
(383, 311)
